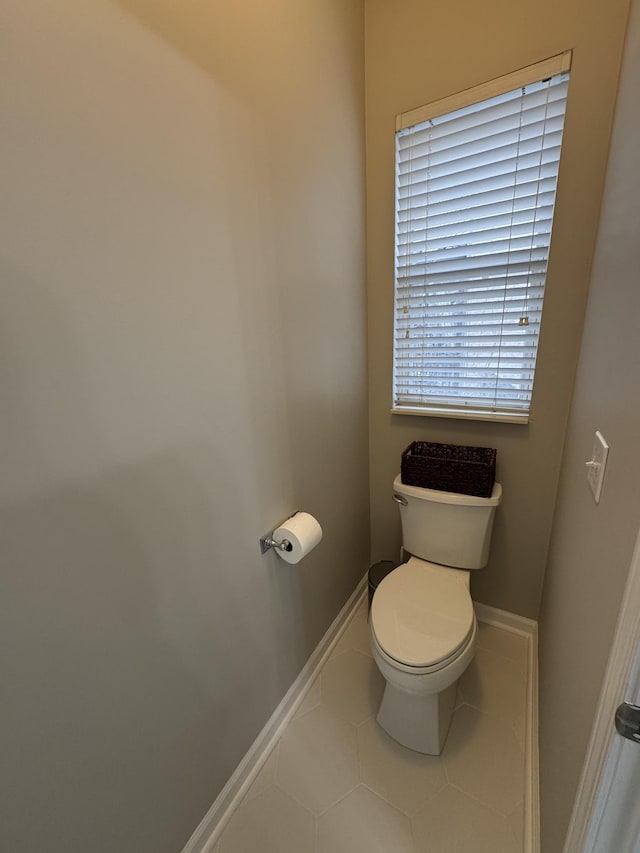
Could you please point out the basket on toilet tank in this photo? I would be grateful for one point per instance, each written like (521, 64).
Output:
(450, 468)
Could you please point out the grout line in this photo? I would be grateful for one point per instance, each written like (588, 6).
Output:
(340, 799)
(486, 805)
(522, 661)
(386, 800)
(431, 797)
(299, 714)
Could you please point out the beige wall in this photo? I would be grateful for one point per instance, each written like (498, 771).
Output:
(592, 545)
(417, 52)
(182, 366)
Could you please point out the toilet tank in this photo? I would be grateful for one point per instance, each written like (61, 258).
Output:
(445, 527)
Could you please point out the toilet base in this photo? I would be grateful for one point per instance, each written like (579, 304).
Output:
(419, 721)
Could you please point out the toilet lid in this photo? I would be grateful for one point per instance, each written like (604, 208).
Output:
(422, 613)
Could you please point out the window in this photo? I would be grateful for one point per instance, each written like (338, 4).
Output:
(476, 179)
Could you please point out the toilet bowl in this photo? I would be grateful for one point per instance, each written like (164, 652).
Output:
(422, 624)
(423, 631)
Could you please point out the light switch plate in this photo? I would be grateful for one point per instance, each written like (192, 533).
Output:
(597, 465)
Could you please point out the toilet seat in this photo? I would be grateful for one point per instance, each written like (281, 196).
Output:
(422, 615)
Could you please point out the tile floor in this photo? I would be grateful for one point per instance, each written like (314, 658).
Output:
(336, 783)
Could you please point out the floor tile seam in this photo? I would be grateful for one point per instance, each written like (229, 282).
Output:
(416, 837)
(519, 806)
(346, 651)
(494, 715)
(446, 774)
(317, 680)
(501, 659)
(338, 801)
(507, 721)
(482, 802)
(358, 726)
(519, 661)
(299, 715)
(515, 650)
(359, 752)
(250, 798)
(342, 747)
(415, 812)
(338, 716)
(467, 704)
(291, 796)
(362, 654)
(386, 800)
(517, 694)
(492, 712)
(516, 656)
(262, 793)
(346, 719)
(334, 654)
(517, 733)
(345, 628)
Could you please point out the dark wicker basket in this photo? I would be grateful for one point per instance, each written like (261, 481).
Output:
(450, 468)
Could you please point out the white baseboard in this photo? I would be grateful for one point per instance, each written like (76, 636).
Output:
(503, 619)
(213, 823)
(528, 628)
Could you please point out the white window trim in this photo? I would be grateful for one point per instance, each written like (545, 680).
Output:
(469, 414)
(547, 68)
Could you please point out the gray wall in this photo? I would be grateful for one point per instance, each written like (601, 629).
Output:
(182, 366)
(592, 545)
(418, 52)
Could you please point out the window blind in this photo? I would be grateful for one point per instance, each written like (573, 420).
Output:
(475, 193)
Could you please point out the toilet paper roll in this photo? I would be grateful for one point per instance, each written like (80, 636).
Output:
(303, 533)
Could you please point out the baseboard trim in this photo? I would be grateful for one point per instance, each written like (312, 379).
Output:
(503, 619)
(213, 823)
(532, 765)
(528, 628)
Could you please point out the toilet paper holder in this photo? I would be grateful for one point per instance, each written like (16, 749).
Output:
(267, 542)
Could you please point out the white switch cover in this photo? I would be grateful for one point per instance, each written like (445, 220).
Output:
(597, 464)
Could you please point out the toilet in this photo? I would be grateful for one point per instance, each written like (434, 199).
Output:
(422, 624)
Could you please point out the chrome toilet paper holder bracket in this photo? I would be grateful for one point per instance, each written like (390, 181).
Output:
(267, 542)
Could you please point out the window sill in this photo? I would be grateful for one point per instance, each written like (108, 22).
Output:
(464, 414)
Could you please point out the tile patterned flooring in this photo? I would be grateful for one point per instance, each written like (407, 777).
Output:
(336, 783)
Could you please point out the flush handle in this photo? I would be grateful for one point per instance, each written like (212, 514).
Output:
(400, 500)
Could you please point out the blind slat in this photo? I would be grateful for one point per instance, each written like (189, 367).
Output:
(487, 150)
(521, 208)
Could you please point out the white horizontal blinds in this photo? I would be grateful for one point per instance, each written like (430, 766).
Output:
(475, 191)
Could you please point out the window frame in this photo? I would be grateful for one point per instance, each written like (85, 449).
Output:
(556, 65)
